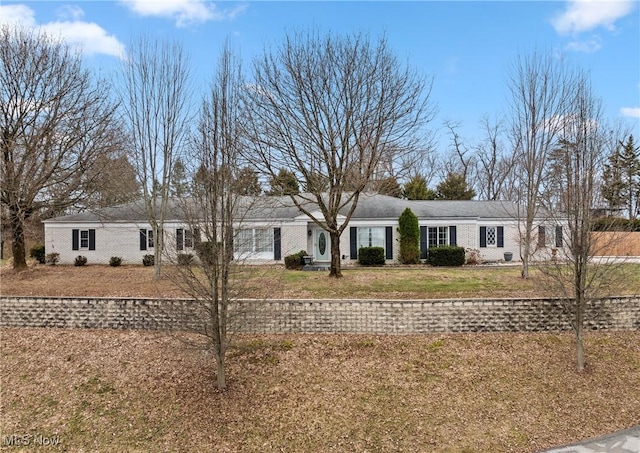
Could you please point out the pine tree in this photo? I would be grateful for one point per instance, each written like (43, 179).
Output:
(613, 186)
(416, 189)
(630, 161)
(285, 183)
(455, 187)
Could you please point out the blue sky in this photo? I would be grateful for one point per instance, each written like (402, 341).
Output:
(467, 46)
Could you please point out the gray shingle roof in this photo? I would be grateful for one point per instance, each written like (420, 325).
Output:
(370, 206)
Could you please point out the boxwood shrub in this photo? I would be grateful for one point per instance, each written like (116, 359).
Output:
(371, 256)
(37, 252)
(80, 260)
(148, 260)
(295, 261)
(449, 255)
(185, 259)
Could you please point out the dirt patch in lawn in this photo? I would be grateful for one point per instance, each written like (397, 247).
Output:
(117, 391)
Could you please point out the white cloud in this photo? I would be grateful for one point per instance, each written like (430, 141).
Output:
(70, 12)
(17, 15)
(633, 112)
(184, 12)
(90, 37)
(585, 15)
(587, 46)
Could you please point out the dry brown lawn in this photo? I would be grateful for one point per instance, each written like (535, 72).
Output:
(118, 391)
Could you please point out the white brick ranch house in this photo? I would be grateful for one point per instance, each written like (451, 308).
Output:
(273, 227)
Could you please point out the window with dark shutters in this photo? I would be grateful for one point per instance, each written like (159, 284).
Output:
(83, 239)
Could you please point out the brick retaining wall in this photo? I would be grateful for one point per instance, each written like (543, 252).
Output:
(319, 316)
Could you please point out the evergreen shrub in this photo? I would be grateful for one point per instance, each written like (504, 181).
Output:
(449, 255)
(371, 256)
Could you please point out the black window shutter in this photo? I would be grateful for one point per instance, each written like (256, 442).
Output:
(196, 236)
(179, 238)
(388, 242)
(143, 239)
(353, 243)
(277, 252)
(92, 239)
(500, 236)
(423, 243)
(453, 236)
(75, 239)
(483, 236)
(558, 235)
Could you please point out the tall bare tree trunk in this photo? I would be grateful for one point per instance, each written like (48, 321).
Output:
(17, 244)
(336, 269)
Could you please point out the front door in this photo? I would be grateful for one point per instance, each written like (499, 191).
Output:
(322, 245)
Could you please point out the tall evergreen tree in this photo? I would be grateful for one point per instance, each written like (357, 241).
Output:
(613, 187)
(416, 189)
(246, 182)
(455, 187)
(409, 230)
(621, 187)
(284, 183)
(630, 160)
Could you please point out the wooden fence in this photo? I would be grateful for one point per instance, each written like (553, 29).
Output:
(616, 243)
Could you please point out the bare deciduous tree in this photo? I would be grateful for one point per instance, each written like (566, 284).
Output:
(332, 110)
(494, 165)
(58, 125)
(576, 161)
(156, 102)
(542, 90)
(215, 210)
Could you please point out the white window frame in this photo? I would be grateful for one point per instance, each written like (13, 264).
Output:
(187, 238)
(437, 236)
(374, 236)
(256, 242)
(83, 239)
(494, 233)
(150, 240)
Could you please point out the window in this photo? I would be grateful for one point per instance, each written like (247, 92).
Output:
(184, 239)
(83, 239)
(146, 239)
(491, 236)
(438, 236)
(254, 240)
(370, 237)
(554, 235)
